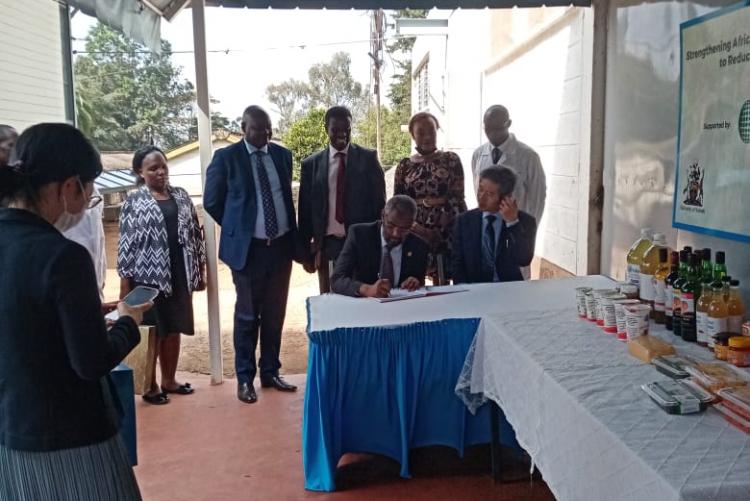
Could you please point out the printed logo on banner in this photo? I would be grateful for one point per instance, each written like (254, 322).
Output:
(743, 124)
(693, 190)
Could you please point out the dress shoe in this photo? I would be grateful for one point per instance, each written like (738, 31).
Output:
(246, 393)
(276, 382)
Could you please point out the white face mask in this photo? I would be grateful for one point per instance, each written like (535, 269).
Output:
(67, 220)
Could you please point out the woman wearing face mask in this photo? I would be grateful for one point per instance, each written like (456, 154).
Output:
(435, 180)
(161, 246)
(58, 418)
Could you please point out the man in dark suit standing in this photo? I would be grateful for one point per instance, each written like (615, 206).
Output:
(380, 254)
(339, 186)
(492, 243)
(249, 193)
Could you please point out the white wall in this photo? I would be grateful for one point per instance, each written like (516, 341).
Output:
(643, 64)
(545, 83)
(31, 80)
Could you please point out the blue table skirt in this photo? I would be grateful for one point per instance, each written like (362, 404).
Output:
(387, 390)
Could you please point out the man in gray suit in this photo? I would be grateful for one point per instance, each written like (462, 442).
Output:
(339, 186)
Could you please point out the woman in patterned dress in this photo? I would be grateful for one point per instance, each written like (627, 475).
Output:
(435, 180)
(161, 246)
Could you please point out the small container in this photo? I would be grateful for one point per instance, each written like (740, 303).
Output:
(714, 376)
(675, 397)
(581, 300)
(721, 345)
(746, 328)
(590, 307)
(739, 351)
(737, 399)
(609, 319)
(620, 317)
(598, 295)
(629, 290)
(636, 320)
(671, 366)
(735, 419)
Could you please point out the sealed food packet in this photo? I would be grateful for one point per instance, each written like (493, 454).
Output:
(714, 376)
(646, 348)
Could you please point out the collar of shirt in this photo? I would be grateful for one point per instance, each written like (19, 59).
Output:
(383, 243)
(507, 146)
(252, 149)
(332, 152)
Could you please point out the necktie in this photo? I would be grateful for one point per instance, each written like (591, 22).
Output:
(269, 211)
(386, 265)
(340, 187)
(488, 247)
(496, 154)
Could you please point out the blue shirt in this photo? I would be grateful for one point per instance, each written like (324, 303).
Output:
(282, 218)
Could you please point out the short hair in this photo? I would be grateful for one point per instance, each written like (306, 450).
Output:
(422, 116)
(140, 155)
(341, 112)
(496, 108)
(255, 111)
(7, 132)
(501, 176)
(401, 204)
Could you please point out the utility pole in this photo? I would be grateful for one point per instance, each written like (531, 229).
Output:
(376, 54)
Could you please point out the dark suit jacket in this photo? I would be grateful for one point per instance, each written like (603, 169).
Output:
(364, 193)
(55, 351)
(229, 198)
(359, 261)
(515, 248)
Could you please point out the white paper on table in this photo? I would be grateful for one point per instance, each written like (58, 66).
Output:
(435, 290)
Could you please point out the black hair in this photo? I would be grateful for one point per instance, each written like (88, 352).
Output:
(255, 111)
(47, 153)
(401, 204)
(501, 176)
(341, 112)
(139, 156)
(422, 116)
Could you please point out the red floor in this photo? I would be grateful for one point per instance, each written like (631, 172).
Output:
(210, 446)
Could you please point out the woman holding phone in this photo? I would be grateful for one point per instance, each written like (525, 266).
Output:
(58, 417)
(161, 246)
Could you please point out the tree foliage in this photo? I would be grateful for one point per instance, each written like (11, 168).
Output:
(306, 136)
(395, 144)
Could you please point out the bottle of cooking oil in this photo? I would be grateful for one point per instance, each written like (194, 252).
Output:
(736, 308)
(701, 312)
(635, 256)
(660, 286)
(718, 313)
(669, 299)
(649, 265)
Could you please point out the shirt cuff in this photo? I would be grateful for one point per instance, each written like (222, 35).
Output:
(512, 223)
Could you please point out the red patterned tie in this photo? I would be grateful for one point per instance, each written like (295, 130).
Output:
(340, 187)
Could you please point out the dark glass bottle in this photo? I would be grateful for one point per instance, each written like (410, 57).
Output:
(720, 267)
(707, 269)
(690, 292)
(669, 300)
(677, 294)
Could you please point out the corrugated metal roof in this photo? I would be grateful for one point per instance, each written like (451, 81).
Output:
(395, 4)
(112, 181)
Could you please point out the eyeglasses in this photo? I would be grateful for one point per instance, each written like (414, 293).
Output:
(93, 200)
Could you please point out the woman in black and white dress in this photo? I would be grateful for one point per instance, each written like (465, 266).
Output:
(161, 246)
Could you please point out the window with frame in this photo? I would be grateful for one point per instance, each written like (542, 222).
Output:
(423, 86)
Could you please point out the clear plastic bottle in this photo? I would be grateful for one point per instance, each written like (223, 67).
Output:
(701, 312)
(649, 266)
(736, 308)
(660, 286)
(725, 281)
(718, 314)
(635, 256)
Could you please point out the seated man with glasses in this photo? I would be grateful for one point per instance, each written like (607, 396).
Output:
(381, 255)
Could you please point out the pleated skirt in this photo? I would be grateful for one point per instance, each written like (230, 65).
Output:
(99, 472)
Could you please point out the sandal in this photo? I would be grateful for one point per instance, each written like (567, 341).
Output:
(183, 389)
(156, 399)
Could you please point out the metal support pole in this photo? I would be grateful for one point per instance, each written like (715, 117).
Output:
(204, 141)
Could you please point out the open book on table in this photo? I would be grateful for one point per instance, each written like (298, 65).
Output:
(433, 290)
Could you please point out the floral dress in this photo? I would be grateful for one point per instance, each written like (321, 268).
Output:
(436, 176)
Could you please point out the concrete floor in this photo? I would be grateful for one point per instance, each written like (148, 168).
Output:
(210, 446)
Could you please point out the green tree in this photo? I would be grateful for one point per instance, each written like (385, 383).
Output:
(128, 96)
(306, 136)
(399, 92)
(395, 144)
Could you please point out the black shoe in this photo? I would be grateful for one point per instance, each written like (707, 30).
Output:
(246, 393)
(276, 382)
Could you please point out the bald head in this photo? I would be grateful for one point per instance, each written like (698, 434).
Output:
(256, 125)
(496, 124)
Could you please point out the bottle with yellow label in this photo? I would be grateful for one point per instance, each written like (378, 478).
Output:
(735, 308)
(701, 312)
(718, 313)
(635, 256)
(649, 265)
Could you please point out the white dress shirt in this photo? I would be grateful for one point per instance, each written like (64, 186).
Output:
(335, 228)
(89, 232)
(396, 253)
(282, 221)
